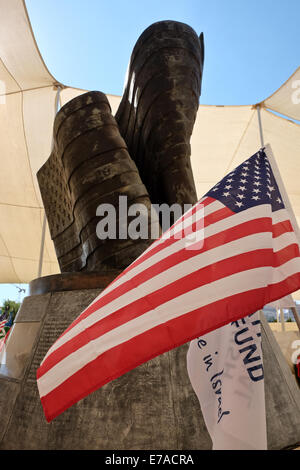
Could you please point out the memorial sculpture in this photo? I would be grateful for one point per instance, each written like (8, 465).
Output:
(142, 153)
(89, 165)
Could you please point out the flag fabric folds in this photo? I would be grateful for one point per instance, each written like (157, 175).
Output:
(226, 371)
(3, 340)
(181, 287)
(2, 329)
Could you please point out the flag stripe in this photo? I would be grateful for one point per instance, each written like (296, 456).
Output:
(219, 239)
(149, 269)
(208, 205)
(190, 281)
(280, 216)
(219, 226)
(158, 340)
(162, 243)
(123, 295)
(283, 240)
(138, 265)
(282, 227)
(177, 306)
(260, 211)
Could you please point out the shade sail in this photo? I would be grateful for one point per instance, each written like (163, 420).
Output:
(223, 137)
(286, 100)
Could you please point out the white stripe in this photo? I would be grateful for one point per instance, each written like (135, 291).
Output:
(183, 222)
(178, 271)
(176, 227)
(224, 224)
(280, 216)
(187, 218)
(282, 190)
(220, 226)
(257, 212)
(190, 219)
(206, 257)
(252, 242)
(286, 239)
(204, 295)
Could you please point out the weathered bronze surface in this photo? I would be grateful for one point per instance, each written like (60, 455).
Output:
(158, 109)
(90, 163)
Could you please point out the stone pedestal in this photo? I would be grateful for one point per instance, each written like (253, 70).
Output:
(151, 407)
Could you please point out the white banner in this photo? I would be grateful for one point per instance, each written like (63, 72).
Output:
(225, 368)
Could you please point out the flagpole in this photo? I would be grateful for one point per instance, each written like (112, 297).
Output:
(260, 126)
(262, 145)
(282, 319)
(296, 317)
(42, 246)
(284, 196)
(295, 313)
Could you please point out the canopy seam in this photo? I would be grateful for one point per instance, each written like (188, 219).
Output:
(283, 117)
(20, 205)
(28, 157)
(278, 89)
(10, 258)
(31, 89)
(35, 43)
(240, 141)
(8, 71)
(27, 259)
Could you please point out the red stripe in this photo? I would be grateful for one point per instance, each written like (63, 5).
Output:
(119, 360)
(142, 305)
(218, 270)
(158, 246)
(282, 227)
(221, 238)
(3, 340)
(286, 254)
(247, 228)
(210, 219)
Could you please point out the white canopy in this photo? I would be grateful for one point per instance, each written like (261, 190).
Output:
(223, 137)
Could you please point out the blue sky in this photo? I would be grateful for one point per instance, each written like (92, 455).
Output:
(251, 46)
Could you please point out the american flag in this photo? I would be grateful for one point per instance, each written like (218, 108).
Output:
(2, 325)
(172, 294)
(3, 340)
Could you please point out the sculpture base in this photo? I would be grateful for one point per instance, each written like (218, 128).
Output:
(150, 407)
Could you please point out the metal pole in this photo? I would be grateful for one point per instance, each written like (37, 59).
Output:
(42, 246)
(282, 319)
(295, 313)
(260, 126)
(296, 317)
(57, 106)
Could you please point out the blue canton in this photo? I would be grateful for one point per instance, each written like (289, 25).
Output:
(251, 184)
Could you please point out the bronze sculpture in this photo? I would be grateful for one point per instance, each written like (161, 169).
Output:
(158, 109)
(89, 165)
(143, 154)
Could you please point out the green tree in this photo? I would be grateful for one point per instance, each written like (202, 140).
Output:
(11, 306)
